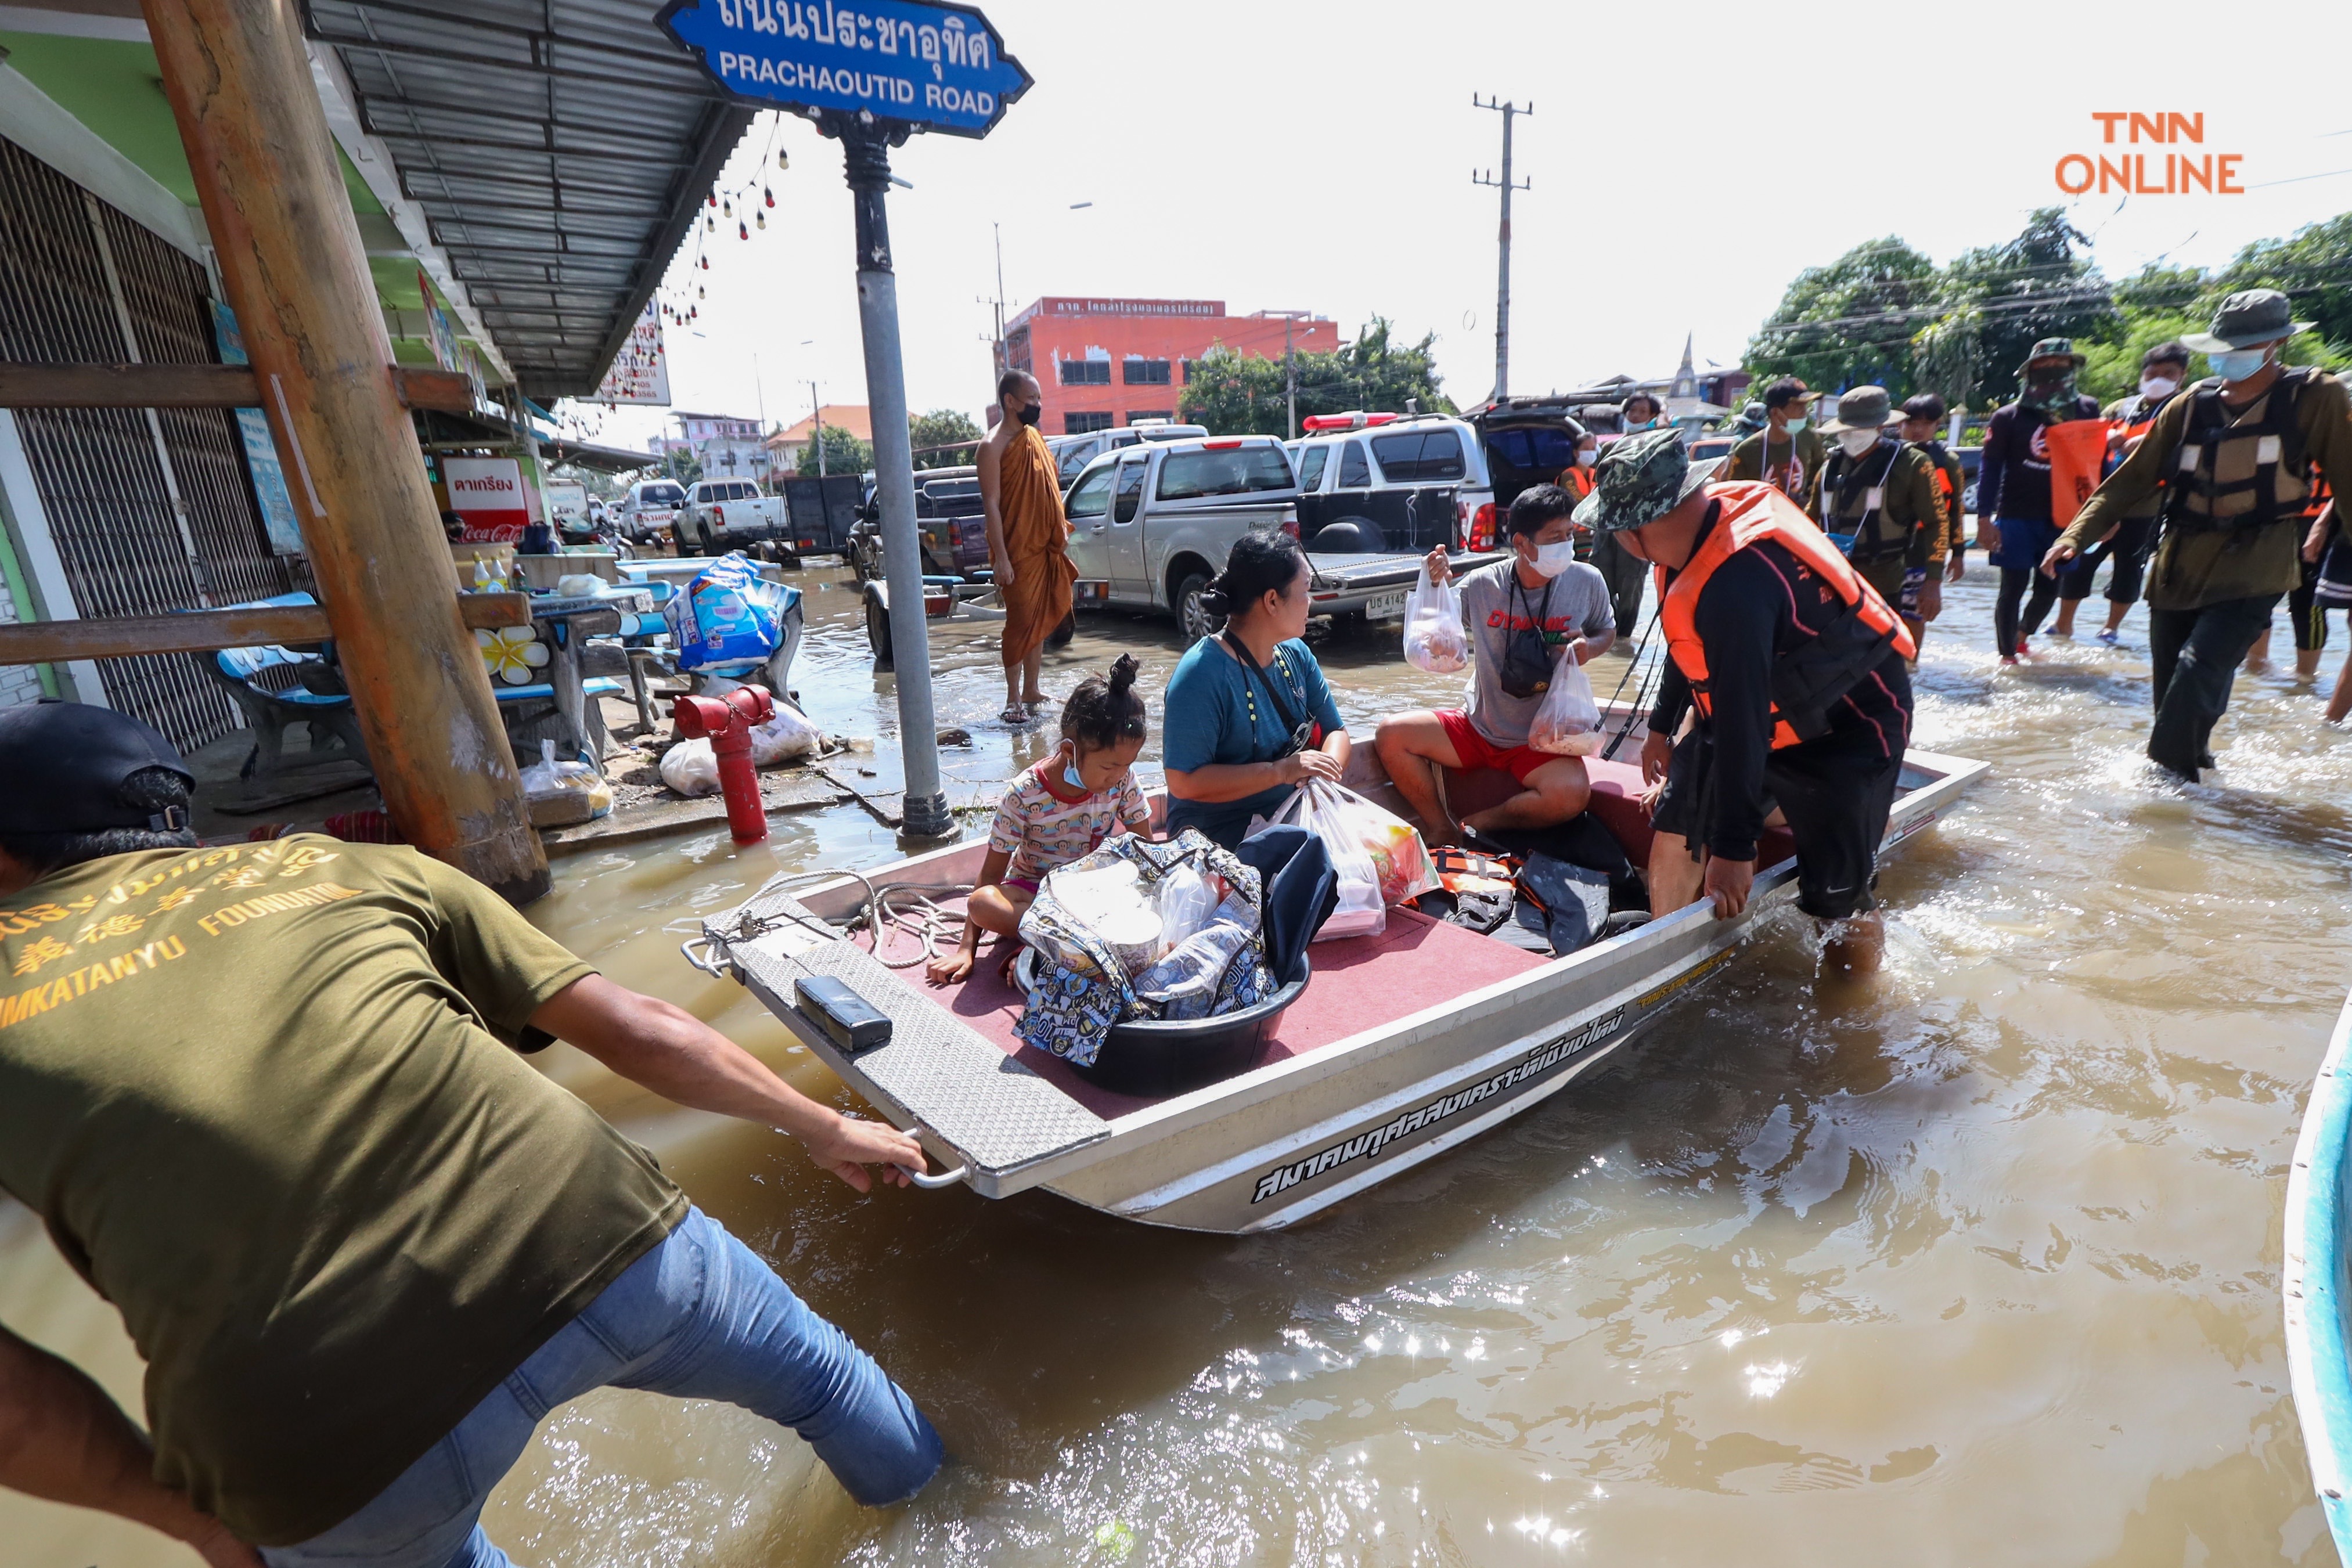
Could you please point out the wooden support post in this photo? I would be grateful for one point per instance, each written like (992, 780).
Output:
(297, 275)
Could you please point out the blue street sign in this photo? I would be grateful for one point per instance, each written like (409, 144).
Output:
(941, 68)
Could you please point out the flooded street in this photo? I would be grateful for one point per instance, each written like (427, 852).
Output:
(1978, 1263)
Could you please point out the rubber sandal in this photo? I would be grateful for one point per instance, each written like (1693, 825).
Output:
(1015, 714)
(2108, 636)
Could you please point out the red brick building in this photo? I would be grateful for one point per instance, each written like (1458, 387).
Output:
(1104, 362)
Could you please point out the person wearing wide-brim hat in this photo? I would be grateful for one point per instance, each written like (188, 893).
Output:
(1878, 492)
(2235, 456)
(2014, 520)
(2162, 370)
(1727, 557)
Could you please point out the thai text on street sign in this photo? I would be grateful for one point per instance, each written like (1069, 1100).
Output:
(941, 68)
(640, 371)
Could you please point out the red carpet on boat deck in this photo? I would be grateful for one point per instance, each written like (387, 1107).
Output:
(1357, 983)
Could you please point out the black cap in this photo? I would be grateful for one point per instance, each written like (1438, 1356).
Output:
(62, 766)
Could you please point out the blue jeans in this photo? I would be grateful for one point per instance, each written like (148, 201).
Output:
(700, 1317)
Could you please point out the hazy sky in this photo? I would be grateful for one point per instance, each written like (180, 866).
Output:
(1687, 161)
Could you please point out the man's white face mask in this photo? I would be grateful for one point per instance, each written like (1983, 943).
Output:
(2158, 386)
(1857, 442)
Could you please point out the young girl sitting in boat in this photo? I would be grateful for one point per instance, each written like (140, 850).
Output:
(1081, 794)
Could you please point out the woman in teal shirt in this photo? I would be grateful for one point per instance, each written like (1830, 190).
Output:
(1249, 716)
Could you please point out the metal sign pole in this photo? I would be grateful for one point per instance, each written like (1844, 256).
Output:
(867, 153)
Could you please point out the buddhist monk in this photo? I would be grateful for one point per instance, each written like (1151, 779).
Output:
(1028, 539)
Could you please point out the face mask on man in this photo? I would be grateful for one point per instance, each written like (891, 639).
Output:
(2238, 363)
(2048, 391)
(1586, 456)
(1552, 560)
(2158, 386)
(1634, 426)
(1030, 414)
(1796, 425)
(1857, 442)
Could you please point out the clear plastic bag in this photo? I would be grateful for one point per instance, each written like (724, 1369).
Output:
(1183, 983)
(1568, 722)
(1186, 904)
(1435, 640)
(1362, 911)
(562, 793)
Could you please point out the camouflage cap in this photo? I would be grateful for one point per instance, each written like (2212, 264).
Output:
(1639, 480)
(2052, 349)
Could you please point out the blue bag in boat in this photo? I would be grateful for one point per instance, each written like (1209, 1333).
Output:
(727, 616)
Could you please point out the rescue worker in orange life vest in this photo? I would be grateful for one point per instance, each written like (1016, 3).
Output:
(2234, 455)
(1791, 668)
(2161, 371)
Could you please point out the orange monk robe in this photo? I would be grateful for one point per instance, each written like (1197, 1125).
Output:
(1037, 538)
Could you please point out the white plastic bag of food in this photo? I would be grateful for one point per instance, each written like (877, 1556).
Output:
(1186, 904)
(1435, 640)
(1400, 859)
(1183, 983)
(690, 769)
(1362, 911)
(782, 737)
(562, 793)
(1568, 721)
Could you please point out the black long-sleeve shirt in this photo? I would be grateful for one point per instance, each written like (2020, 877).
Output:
(1759, 604)
(2013, 476)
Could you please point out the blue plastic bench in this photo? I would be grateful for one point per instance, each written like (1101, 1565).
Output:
(265, 680)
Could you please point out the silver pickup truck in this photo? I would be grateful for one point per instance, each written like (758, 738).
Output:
(1150, 525)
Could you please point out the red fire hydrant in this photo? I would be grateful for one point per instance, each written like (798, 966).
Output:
(726, 722)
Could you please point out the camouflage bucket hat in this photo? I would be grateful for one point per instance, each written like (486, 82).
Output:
(1639, 480)
(2052, 348)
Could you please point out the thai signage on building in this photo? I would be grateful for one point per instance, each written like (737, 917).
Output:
(486, 493)
(640, 371)
(942, 68)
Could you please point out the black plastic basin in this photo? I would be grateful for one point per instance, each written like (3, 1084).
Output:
(1152, 1057)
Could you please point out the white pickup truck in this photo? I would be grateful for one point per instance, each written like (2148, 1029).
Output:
(1150, 525)
(722, 514)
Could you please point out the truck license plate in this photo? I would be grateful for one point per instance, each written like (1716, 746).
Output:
(1385, 606)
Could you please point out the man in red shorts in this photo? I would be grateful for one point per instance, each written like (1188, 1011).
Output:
(1526, 614)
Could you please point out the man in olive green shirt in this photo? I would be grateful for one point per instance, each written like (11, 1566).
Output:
(270, 1100)
(2233, 455)
(1786, 451)
(1879, 491)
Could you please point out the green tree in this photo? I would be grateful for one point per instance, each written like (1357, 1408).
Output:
(2314, 267)
(1853, 322)
(2040, 284)
(844, 453)
(943, 427)
(1243, 394)
(682, 466)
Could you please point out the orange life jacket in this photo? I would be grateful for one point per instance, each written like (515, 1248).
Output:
(1806, 680)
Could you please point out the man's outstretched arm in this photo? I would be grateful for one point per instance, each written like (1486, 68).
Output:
(63, 1439)
(678, 1056)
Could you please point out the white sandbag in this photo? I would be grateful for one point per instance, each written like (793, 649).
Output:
(1568, 722)
(1435, 640)
(784, 737)
(690, 769)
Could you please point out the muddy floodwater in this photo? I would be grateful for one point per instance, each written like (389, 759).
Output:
(1977, 1264)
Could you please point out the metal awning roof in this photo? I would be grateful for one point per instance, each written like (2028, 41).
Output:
(559, 149)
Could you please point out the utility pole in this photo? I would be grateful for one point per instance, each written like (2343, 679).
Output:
(1290, 319)
(816, 428)
(1502, 239)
